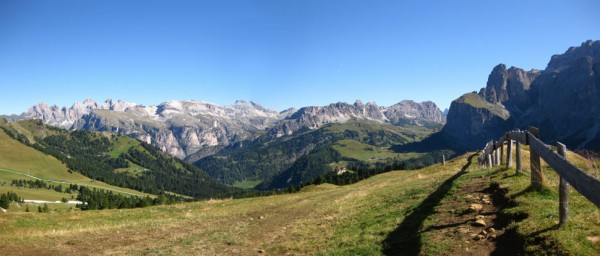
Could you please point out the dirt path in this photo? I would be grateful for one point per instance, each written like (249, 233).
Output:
(469, 218)
(470, 221)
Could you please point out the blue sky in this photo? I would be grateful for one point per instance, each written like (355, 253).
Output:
(279, 53)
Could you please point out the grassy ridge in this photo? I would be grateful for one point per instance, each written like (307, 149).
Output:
(477, 101)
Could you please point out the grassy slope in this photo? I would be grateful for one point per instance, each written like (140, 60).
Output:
(365, 152)
(476, 101)
(121, 145)
(246, 183)
(346, 220)
(16, 160)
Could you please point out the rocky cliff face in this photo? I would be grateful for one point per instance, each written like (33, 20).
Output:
(566, 98)
(509, 87)
(563, 101)
(473, 121)
(408, 111)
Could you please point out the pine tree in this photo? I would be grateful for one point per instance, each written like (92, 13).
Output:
(4, 201)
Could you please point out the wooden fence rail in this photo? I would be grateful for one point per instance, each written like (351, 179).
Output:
(581, 181)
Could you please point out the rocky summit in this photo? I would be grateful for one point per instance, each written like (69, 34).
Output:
(184, 128)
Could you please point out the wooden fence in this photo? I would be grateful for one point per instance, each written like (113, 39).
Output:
(581, 181)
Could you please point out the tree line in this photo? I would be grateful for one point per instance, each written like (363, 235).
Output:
(6, 198)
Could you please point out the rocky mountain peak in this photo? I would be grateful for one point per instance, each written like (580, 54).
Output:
(117, 105)
(509, 86)
(358, 103)
(252, 108)
(589, 49)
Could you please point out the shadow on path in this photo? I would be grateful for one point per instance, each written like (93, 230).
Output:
(406, 238)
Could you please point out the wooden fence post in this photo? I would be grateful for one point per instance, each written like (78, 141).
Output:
(509, 154)
(501, 153)
(518, 157)
(493, 147)
(495, 157)
(563, 190)
(443, 159)
(537, 178)
(489, 160)
(498, 158)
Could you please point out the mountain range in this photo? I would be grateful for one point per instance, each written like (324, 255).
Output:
(196, 129)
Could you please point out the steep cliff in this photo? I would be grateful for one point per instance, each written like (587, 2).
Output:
(566, 98)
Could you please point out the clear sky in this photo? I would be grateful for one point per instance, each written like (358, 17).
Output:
(278, 53)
